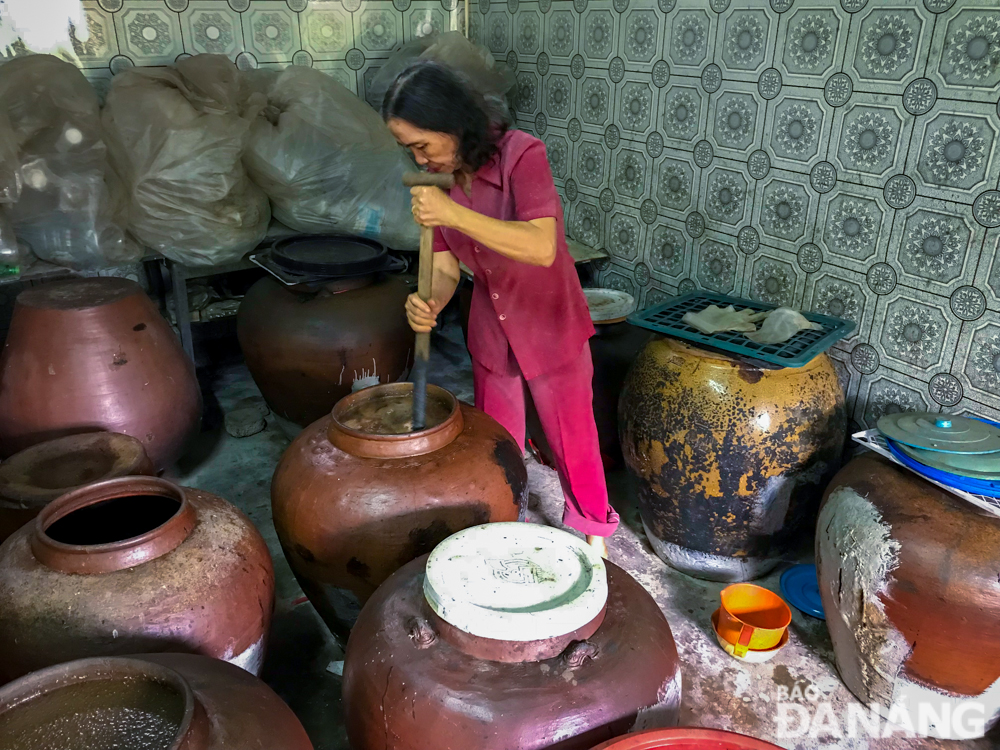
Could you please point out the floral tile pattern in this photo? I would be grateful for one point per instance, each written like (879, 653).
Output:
(211, 28)
(148, 33)
(347, 39)
(840, 156)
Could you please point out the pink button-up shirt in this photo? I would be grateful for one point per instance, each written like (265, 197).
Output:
(540, 313)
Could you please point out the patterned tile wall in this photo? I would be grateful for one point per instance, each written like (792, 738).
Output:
(840, 156)
(834, 155)
(346, 39)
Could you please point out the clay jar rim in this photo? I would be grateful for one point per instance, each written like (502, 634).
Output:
(193, 733)
(720, 359)
(510, 652)
(686, 738)
(113, 556)
(335, 286)
(127, 457)
(371, 445)
(697, 351)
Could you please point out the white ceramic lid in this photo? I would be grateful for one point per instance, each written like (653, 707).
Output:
(609, 304)
(515, 582)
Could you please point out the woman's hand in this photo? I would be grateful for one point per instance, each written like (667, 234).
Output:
(421, 315)
(432, 207)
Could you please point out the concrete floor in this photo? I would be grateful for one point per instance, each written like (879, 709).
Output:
(718, 691)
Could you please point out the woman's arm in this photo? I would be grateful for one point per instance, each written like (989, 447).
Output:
(532, 242)
(422, 315)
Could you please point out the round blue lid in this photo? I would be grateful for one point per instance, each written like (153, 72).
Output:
(800, 587)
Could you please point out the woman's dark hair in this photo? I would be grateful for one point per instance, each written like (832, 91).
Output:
(432, 97)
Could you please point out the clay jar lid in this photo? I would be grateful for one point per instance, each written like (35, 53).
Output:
(112, 525)
(515, 591)
(609, 306)
(102, 700)
(79, 294)
(375, 422)
(43, 472)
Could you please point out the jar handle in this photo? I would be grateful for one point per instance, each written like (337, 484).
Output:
(578, 653)
(421, 632)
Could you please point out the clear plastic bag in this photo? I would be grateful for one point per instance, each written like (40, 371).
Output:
(451, 48)
(71, 207)
(10, 175)
(327, 161)
(177, 136)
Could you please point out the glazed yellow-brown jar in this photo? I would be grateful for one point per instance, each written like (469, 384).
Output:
(731, 458)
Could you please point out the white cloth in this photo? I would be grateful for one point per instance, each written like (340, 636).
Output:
(715, 319)
(780, 325)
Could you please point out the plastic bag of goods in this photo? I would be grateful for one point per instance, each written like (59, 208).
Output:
(71, 207)
(177, 137)
(327, 161)
(10, 175)
(452, 49)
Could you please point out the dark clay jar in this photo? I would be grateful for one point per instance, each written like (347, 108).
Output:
(133, 565)
(95, 354)
(357, 495)
(423, 683)
(730, 459)
(308, 346)
(613, 349)
(36, 476)
(146, 702)
(910, 580)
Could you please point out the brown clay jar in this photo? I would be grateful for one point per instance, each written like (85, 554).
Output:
(146, 702)
(95, 354)
(730, 459)
(356, 495)
(308, 346)
(132, 565)
(31, 479)
(910, 580)
(412, 677)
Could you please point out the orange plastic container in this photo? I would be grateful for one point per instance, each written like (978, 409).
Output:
(752, 618)
(686, 738)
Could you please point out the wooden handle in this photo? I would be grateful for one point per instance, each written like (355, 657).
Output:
(425, 272)
(443, 180)
(425, 283)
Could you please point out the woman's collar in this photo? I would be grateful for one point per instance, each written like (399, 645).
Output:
(490, 171)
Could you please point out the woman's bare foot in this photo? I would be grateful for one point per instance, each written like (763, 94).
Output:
(600, 544)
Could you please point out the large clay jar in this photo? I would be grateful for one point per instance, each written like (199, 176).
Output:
(509, 649)
(31, 479)
(730, 459)
(686, 738)
(613, 349)
(308, 346)
(910, 580)
(95, 354)
(133, 565)
(356, 495)
(146, 702)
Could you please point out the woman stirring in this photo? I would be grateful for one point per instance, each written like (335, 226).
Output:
(529, 320)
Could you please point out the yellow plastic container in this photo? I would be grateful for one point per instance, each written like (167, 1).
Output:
(752, 618)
